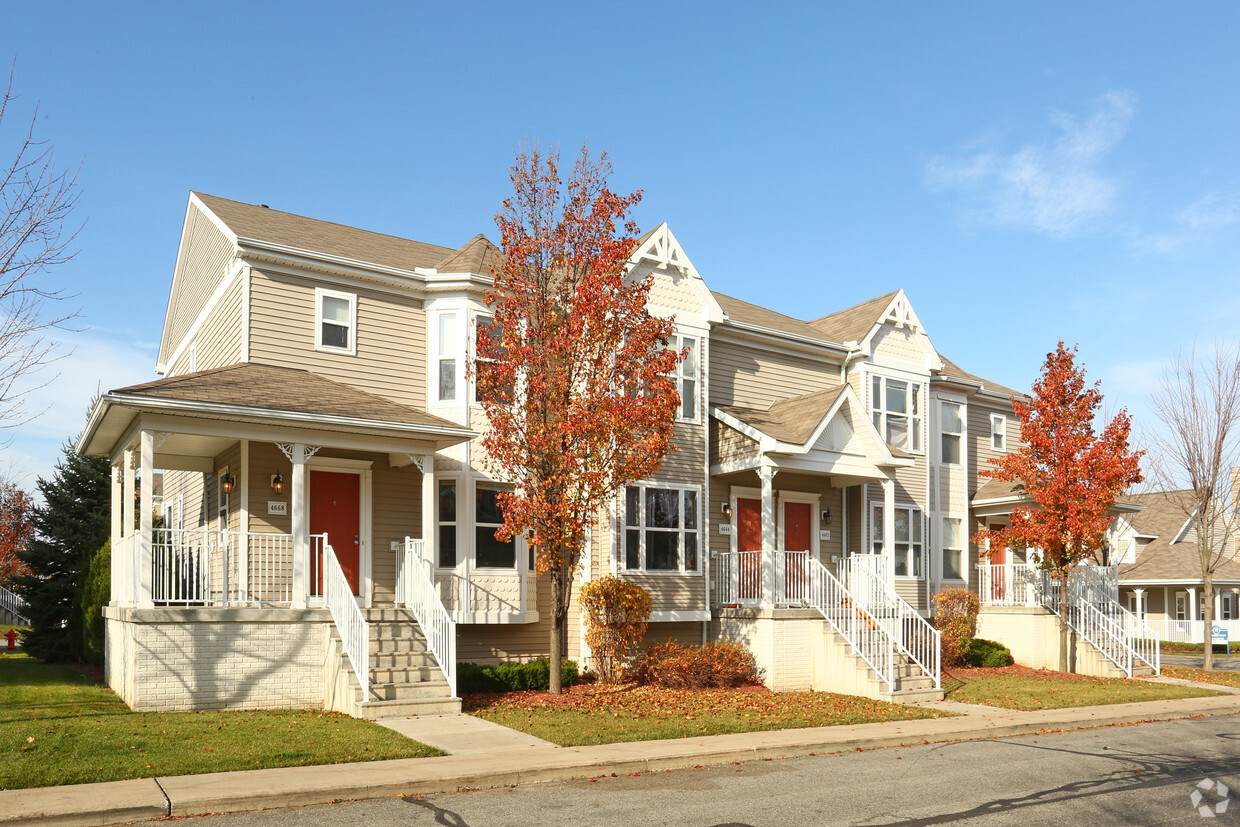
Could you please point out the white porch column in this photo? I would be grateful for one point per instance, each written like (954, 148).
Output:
(127, 527)
(430, 510)
(889, 529)
(301, 528)
(242, 576)
(147, 500)
(1140, 593)
(1218, 604)
(1194, 617)
(118, 557)
(767, 475)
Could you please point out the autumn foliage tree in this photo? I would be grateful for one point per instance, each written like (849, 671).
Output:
(1072, 473)
(573, 372)
(616, 613)
(16, 529)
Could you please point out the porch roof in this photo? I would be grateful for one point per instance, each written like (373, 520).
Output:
(263, 394)
(823, 431)
(996, 497)
(1173, 553)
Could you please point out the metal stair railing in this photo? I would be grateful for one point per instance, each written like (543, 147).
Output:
(915, 637)
(869, 639)
(1095, 615)
(347, 615)
(15, 605)
(415, 588)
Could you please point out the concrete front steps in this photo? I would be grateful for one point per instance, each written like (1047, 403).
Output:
(404, 678)
(842, 670)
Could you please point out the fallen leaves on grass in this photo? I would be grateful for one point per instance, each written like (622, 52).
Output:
(1023, 688)
(1217, 677)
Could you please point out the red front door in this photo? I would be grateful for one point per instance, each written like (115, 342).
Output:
(749, 538)
(335, 503)
(796, 538)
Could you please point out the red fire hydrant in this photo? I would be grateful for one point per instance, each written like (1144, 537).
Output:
(11, 634)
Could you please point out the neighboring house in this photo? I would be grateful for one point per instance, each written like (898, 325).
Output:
(1160, 567)
(316, 432)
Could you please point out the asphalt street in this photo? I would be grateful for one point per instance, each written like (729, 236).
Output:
(1134, 774)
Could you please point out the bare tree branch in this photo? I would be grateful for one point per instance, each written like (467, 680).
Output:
(1198, 403)
(36, 200)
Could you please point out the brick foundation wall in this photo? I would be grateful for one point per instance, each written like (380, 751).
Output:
(164, 660)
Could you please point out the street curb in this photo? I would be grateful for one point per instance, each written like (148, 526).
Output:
(249, 790)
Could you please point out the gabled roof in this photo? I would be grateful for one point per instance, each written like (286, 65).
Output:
(752, 314)
(853, 323)
(478, 255)
(789, 420)
(1167, 557)
(261, 224)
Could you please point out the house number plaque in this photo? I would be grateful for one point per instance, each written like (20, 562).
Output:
(277, 507)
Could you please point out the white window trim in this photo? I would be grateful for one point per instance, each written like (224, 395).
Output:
(321, 293)
(679, 345)
(963, 433)
(467, 525)
(942, 549)
(519, 546)
(911, 379)
(456, 521)
(622, 556)
(1003, 432)
(869, 537)
(436, 356)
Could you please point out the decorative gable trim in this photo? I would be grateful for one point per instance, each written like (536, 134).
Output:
(899, 314)
(660, 250)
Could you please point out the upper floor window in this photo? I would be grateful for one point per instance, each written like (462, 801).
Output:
(952, 424)
(486, 328)
(907, 538)
(689, 376)
(953, 549)
(336, 321)
(896, 407)
(446, 350)
(998, 432)
(661, 528)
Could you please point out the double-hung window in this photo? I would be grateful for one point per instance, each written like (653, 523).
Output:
(661, 528)
(907, 541)
(489, 551)
(998, 432)
(447, 524)
(953, 549)
(688, 376)
(952, 425)
(335, 321)
(446, 350)
(487, 329)
(896, 407)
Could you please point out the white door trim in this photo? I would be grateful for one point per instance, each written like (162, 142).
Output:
(362, 468)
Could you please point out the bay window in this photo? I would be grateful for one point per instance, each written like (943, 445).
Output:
(489, 551)
(688, 376)
(896, 406)
(907, 543)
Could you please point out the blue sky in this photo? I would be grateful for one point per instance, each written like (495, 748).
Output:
(1025, 174)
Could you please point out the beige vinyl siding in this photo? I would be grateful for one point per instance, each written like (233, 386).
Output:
(391, 336)
(672, 592)
(686, 634)
(751, 377)
(728, 444)
(687, 463)
(184, 489)
(218, 341)
(891, 342)
(980, 450)
(205, 253)
(396, 513)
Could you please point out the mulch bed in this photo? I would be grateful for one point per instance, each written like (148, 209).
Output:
(585, 697)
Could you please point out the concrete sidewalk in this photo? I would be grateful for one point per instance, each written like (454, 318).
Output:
(487, 755)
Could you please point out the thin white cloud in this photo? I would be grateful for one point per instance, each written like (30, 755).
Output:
(1058, 187)
(1209, 214)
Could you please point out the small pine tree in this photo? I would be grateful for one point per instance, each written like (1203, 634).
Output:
(70, 525)
(96, 593)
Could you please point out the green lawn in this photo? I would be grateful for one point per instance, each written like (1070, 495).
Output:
(1220, 651)
(1016, 687)
(589, 715)
(58, 726)
(1220, 677)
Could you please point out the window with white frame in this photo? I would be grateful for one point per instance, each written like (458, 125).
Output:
(953, 549)
(1229, 606)
(447, 524)
(335, 321)
(998, 432)
(486, 328)
(896, 407)
(1181, 607)
(662, 528)
(952, 426)
(489, 551)
(907, 541)
(446, 356)
(221, 501)
(688, 376)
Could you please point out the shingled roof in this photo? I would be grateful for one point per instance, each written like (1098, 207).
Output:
(953, 370)
(1164, 516)
(758, 316)
(478, 255)
(853, 323)
(792, 420)
(280, 389)
(259, 223)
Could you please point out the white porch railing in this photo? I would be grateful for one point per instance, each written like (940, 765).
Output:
(14, 605)
(868, 579)
(1191, 631)
(347, 615)
(1093, 608)
(415, 588)
(200, 567)
(878, 624)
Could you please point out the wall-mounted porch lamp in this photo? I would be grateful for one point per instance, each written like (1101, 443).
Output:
(227, 482)
(826, 516)
(726, 508)
(277, 483)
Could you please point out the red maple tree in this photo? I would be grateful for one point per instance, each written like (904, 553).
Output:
(15, 530)
(573, 373)
(1072, 473)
